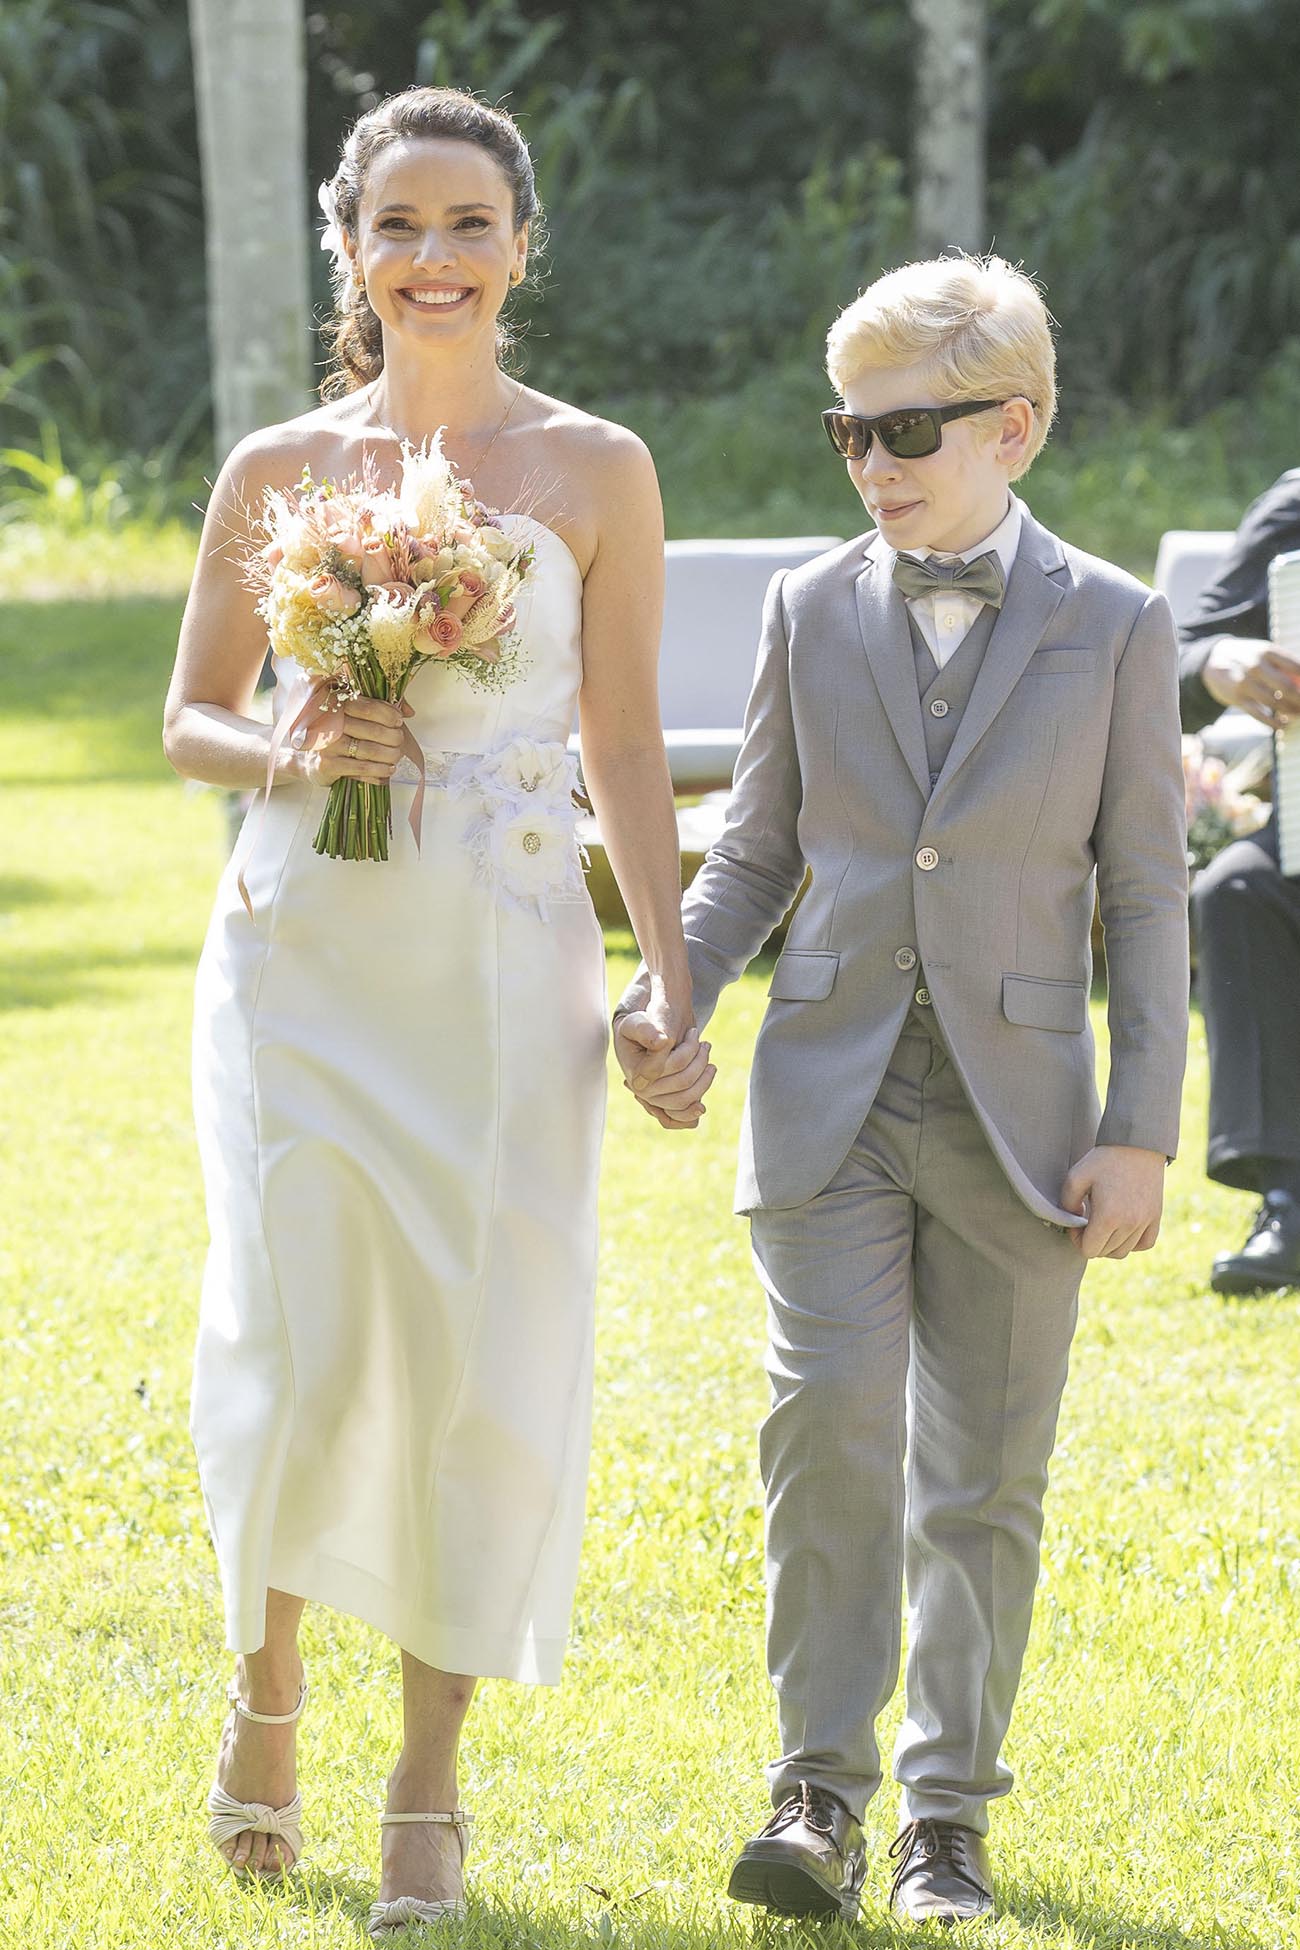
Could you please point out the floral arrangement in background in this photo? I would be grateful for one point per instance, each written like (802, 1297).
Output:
(1218, 811)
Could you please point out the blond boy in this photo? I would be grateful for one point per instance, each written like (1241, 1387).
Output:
(964, 727)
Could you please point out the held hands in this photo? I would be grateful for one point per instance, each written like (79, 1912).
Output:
(1120, 1189)
(664, 1064)
(1256, 677)
(352, 738)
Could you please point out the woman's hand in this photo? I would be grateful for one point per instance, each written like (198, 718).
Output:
(351, 738)
(669, 1079)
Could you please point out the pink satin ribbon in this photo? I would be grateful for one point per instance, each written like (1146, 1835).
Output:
(285, 729)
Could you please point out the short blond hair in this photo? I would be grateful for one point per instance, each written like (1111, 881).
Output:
(978, 323)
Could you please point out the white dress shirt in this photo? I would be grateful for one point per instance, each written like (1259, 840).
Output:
(945, 617)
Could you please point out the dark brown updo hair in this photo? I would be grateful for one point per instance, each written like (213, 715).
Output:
(354, 334)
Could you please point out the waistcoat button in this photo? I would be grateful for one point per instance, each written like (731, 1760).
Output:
(938, 709)
(922, 998)
(927, 859)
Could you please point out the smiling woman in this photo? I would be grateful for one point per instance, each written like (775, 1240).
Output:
(493, 227)
(400, 1060)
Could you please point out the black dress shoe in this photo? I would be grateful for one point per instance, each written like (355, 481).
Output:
(943, 1874)
(808, 1861)
(1270, 1257)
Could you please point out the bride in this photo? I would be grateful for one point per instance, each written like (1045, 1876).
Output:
(400, 1066)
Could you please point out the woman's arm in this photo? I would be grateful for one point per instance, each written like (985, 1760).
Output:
(624, 763)
(207, 731)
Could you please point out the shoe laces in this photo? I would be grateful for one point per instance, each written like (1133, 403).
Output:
(941, 1843)
(813, 1806)
(1269, 1216)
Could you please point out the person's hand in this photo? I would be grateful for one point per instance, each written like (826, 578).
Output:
(668, 1078)
(1120, 1190)
(1254, 676)
(352, 738)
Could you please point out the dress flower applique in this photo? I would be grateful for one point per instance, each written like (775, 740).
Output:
(523, 834)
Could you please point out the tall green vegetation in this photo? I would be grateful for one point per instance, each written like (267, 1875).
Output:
(719, 180)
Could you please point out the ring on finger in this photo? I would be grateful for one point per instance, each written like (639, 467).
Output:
(352, 747)
(1278, 696)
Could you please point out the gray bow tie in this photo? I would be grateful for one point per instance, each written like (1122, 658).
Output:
(983, 578)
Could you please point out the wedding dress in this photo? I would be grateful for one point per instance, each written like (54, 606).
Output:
(399, 1090)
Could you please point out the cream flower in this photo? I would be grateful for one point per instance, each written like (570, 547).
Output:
(531, 853)
(392, 633)
(427, 486)
(524, 765)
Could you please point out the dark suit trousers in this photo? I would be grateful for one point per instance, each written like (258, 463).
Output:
(1248, 979)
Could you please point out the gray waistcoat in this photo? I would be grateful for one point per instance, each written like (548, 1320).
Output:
(950, 686)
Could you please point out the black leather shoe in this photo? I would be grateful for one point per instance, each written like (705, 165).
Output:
(808, 1861)
(943, 1874)
(1270, 1257)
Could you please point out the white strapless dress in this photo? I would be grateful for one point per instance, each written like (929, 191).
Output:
(399, 1079)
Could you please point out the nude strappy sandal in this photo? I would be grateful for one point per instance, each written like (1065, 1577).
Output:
(409, 1909)
(231, 1818)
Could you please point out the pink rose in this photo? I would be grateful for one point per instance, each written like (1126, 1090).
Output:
(333, 596)
(376, 563)
(490, 652)
(349, 545)
(394, 592)
(438, 636)
(468, 590)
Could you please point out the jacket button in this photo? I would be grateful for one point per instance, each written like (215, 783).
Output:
(905, 958)
(938, 709)
(922, 998)
(927, 859)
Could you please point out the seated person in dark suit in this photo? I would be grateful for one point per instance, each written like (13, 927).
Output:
(1247, 914)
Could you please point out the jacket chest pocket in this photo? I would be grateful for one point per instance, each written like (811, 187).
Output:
(1065, 662)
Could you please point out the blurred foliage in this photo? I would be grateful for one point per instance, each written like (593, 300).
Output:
(101, 244)
(718, 181)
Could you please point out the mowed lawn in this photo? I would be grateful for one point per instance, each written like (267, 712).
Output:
(1155, 1741)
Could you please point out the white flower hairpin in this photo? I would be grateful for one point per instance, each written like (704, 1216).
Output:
(332, 235)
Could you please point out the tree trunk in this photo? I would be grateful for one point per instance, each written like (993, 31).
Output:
(951, 118)
(250, 83)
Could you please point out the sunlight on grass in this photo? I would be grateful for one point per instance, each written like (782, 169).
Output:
(1155, 1739)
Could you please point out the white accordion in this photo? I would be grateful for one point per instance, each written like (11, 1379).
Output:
(1284, 629)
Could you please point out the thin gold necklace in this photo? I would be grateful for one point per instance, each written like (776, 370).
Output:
(514, 401)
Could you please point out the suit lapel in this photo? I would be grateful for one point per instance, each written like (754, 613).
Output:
(1034, 590)
(882, 616)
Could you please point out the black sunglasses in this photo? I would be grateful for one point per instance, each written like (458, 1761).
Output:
(908, 433)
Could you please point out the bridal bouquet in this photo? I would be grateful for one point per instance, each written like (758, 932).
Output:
(362, 586)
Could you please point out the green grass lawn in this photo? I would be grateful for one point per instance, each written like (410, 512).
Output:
(1155, 1741)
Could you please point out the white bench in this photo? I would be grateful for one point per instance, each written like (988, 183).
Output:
(713, 607)
(713, 612)
(1187, 559)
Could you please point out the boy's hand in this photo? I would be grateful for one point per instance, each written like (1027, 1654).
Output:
(669, 1081)
(1121, 1191)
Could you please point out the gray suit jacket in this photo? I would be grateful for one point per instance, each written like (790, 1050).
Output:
(1066, 764)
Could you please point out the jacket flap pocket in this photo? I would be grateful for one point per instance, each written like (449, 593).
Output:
(803, 976)
(1061, 663)
(1039, 1004)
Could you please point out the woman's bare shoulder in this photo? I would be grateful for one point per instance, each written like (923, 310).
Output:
(588, 476)
(275, 456)
(602, 444)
